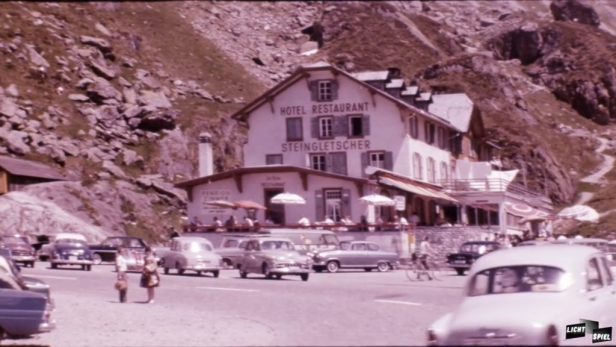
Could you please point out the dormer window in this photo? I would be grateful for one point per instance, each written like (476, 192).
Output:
(324, 91)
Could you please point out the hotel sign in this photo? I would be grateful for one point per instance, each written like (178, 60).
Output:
(213, 195)
(324, 109)
(273, 182)
(326, 146)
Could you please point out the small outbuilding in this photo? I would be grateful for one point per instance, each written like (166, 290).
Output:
(16, 173)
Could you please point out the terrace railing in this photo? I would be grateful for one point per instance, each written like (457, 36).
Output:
(489, 185)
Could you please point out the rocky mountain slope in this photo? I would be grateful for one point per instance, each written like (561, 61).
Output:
(113, 92)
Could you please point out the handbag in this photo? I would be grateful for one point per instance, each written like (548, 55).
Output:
(121, 285)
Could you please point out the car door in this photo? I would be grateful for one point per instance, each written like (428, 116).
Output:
(170, 257)
(595, 303)
(358, 255)
(235, 254)
(248, 259)
(374, 253)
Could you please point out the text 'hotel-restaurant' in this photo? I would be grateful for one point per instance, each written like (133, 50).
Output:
(333, 137)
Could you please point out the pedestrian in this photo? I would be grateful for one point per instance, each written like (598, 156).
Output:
(121, 268)
(149, 277)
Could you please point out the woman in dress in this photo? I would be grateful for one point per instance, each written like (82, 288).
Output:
(149, 277)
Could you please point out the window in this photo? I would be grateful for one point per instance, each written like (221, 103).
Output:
(358, 247)
(377, 159)
(429, 132)
(318, 162)
(373, 247)
(273, 159)
(593, 276)
(442, 138)
(324, 91)
(414, 127)
(333, 200)
(431, 170)
(356, 126)
(608, 272)
(417, 169)
(444, 171)
(295, 131)
(519, 279)
(326, 127)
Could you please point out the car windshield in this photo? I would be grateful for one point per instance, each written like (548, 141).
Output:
(71, 243)
(477, 247)
(344, 245)
(519, 279)
(197, 247)
(283, 245)
(13, 240)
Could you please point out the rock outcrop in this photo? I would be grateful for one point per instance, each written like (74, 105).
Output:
(574, 11)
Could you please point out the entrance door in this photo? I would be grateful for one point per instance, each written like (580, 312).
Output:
(275, 212)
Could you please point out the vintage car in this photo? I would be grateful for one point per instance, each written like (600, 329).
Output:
(26, 282)
(355, 255)
(306, 241)
(469, 253)
(68, 251)
(193, 254)
(107, 250)
(274, 257)
(21, 251)
(46, 248)
(541, 289)
(24, 313)
(232, 250)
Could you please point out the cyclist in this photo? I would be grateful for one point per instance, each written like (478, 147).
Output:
(424, 251)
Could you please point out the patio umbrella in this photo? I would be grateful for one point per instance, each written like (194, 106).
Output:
(576, 211)
(377, 200)
(539, 216)
(520, 210)
(249, 205)
(590, 216)
(222, 203)
(288, 199)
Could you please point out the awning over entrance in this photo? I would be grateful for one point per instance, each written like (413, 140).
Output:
(416, 189)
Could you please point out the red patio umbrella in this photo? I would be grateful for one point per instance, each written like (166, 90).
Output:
(249, 205)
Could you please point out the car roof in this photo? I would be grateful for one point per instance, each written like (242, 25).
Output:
(588, 240)
(566, 257)
(192, 239)
(274, 239)
(69, 236)
(124, 237)
(294, 231)
(480, 242)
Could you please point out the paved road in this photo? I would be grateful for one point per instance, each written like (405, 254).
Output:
(346, 308)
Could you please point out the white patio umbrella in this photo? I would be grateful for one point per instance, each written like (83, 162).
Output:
(377, 200)
(288, 199)
(578, 211)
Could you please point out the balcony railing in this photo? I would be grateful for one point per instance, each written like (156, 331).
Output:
(488, 185)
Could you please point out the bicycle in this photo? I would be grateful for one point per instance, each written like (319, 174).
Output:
(416, 269)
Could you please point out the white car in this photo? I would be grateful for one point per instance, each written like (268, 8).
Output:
(528, 295)
(193, 254)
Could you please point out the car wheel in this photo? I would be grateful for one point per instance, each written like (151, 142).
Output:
(199, 273)
(332, 266)
(318, 269)
(166, 270)
(177, 267)
(243, 274)
(216, 274)
(83, 267)
(304, 277)
(382, 266)
(32, 264)
(367, 269)
(96, 259)
(266, 271)
(54, 266)
(278, 276)
(460, 272)
(89, 267)
(228, 263)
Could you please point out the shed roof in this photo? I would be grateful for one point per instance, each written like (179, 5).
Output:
(397, 83)
(456, 108)
(371, 75)
(410, 90)
(28, 168)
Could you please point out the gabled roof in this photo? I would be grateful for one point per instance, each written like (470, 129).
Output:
(397, 83)
(265, 169)
(304, 72)
(28, 168)
(457, 108)
(366, 76)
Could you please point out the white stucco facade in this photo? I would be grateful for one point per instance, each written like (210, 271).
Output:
(386, 127)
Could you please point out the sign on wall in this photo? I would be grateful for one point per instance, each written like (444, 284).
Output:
(400, 202)
(213, 195)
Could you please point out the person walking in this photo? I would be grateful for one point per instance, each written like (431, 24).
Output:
(149, 277)
(121, 268)
(425, 250)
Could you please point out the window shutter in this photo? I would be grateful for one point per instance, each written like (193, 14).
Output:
(389, 161)
(339, 126)
(308, 163)
(427, 132)
(319, 205)
(430, 169)
(334, 89)
(345, 204)
(364, 163)
(314, 90)
(329, 162)
(314, 127)
(339, 163)
(366, 125)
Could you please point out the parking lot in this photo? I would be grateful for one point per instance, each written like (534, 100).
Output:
(345, 308)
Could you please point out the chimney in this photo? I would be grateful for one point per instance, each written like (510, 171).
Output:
(206, 155)
(394, 72)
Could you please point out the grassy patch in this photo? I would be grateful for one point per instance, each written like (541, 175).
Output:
(601, 229)
(588, 187)
(605, 198)
(139, 230)
(90, 210)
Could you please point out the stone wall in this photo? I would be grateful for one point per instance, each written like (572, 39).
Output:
(443, 240)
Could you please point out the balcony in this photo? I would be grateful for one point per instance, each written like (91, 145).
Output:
(492, 185)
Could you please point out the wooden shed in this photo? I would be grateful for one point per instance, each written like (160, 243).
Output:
(17, 173)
